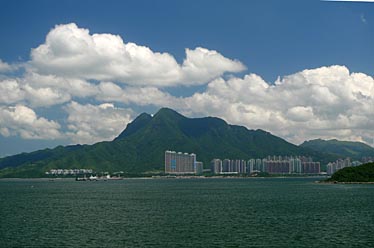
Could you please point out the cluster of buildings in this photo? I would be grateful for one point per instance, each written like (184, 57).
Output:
(185, 163)
(365, 160)
(182, 163)
(271, 165)
(340, 164)
(67, 172)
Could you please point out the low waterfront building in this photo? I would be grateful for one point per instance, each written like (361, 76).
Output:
(68, 172)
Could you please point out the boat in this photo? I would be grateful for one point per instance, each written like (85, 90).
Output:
(93, 178)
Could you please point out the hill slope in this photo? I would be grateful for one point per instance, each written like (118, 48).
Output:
(141, 146)
(354, 150)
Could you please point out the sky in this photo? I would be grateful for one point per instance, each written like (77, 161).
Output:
(79, 71)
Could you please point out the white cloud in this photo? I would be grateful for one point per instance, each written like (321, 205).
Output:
(327, 102)
(4, 67)
(300, 113)
(44, 90)
(45, 96)
(23, 121)
(76, 66)
(72, 86)
(11, 91)
(18, 90)
(93, 123)
(142, 96)
(202, 65)
(70, 51)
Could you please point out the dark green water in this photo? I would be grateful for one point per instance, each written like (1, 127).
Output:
(278, 212)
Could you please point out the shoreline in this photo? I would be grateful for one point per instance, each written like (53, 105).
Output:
(164, 178)
(336, 182)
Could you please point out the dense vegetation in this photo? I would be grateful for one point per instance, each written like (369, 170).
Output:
(140, 147)
(362, 173)
(343, 149)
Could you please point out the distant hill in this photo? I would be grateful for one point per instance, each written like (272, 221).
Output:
(354, 150)
(362, 173)
(140, 147)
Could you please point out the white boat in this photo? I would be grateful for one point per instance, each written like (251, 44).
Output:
(93, 178)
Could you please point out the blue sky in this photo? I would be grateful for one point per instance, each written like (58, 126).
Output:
(261, 34)
(264, 53)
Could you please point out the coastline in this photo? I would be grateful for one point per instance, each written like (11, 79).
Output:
(336, 182)
(157, 177)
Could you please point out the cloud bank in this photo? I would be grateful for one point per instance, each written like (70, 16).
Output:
(327, 102)
(23, 121)
(70, 51)
(98, 83)
(93, 123)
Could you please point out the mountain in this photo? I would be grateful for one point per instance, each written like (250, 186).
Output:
(362, 173)
(343, 149)
(140, 147)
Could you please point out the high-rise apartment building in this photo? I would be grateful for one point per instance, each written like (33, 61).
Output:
(251, 165)
(182, 163)
(340, 164)
(226, 165)
(310, 168)
(216, 166)
(199, 168)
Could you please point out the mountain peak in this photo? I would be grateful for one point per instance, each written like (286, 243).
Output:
(141, 146)
(167, 112)
(135, 125)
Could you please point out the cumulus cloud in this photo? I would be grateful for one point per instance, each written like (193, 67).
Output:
(300, 113)
(70, 51)
(142, 96)
(73, 67)
(44, 90)
(16, 90)
(11, 91)
(5, 67)
(88, 123)
(23, 121)
(327, 102)
(72, 86)
(45, 96)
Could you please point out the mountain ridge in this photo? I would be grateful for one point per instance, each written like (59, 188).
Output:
(140, 147)
(353, 149)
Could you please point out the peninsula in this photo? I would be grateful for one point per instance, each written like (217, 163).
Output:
(359, 174)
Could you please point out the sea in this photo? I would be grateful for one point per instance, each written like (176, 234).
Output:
(173, 212)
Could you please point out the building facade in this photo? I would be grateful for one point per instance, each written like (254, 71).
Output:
(271, 165)
(216, 166)
(182, 163)
(340, 164)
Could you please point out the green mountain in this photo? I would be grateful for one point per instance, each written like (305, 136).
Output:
(343, 149)
(140, 147)
(362, 173)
